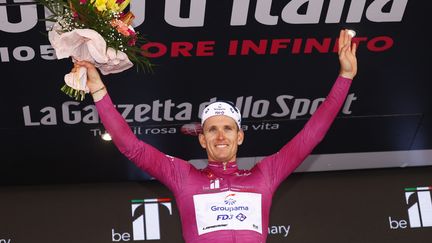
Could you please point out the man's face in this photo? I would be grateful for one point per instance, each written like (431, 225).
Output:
(221, 138)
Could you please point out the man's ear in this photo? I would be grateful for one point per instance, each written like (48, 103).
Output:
(240, 137)
(202, 140)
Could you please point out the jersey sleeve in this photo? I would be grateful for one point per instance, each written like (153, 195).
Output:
(281, 164)
(168, 170)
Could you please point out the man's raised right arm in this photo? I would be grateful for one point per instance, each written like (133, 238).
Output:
(167, 169)
(114, 123)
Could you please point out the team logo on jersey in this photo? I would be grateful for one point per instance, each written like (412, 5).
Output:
(243, 173)
(214, 184)
(229, 199)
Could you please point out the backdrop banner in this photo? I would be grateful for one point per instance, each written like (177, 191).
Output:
(374, 206)
(276, 60)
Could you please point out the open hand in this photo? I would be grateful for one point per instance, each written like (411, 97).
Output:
(347, 55)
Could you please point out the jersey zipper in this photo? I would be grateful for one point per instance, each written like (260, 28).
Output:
(233, 234)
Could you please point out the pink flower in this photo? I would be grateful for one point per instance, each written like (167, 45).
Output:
(122, 24)
(132, 41)
(133, 38)
(131, 32)
(83, 1)
(121, 27)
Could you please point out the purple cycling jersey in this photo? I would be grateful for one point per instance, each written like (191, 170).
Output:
(222, 203)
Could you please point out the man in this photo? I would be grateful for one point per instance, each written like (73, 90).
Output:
(222, 203)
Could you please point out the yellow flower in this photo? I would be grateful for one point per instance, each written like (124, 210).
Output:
(123, 5)
(112, 5)
(100, 4)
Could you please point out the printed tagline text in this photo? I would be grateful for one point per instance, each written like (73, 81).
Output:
(143, 130)
(246, 47)
(209, 48)
(273, 230)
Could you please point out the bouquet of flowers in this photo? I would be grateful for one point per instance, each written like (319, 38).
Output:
(98, 31)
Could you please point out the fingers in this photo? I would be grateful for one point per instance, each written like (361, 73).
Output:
(348, 53)
(340, 41)
(343, 52)
(345, 39)
(348, 38)
(78, 64)
(354, 49)
(85, 64)
(75, 68)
